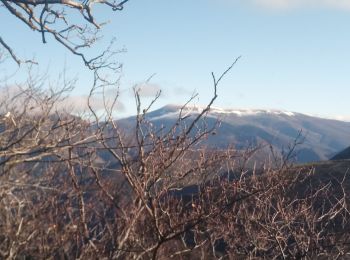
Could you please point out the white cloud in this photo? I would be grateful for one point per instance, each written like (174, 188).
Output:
(345, 118)
(14, 98)
(184, 92)
(148, 89)
(294, 4)
(276, 4)
(79, 104)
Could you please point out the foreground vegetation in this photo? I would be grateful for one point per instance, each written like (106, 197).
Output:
(82, 187)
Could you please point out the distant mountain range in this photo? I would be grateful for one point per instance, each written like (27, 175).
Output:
(343, 155)
(323, 138)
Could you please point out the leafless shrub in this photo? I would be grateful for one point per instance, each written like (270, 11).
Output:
(86, 188)
(57, 19)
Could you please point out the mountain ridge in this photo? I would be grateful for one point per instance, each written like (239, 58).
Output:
(172, 108)
(323, 137)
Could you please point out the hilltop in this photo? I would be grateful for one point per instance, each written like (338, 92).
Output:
(242, 128)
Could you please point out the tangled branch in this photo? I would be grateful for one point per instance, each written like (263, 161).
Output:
(53, 17)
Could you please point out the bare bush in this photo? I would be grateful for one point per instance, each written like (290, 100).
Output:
(57, 19)
(89, 188)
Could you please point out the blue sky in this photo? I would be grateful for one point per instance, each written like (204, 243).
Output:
(295, 54)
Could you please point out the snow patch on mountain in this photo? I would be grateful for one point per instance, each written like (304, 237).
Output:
(172, 111)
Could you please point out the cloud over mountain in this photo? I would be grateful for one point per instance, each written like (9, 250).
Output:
(294, 4)
(341, 4)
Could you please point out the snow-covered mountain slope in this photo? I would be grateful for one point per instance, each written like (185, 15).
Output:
(242, 128)
(174, 110)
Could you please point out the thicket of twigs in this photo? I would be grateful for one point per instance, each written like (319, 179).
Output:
(85, 187)
(159, 195)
